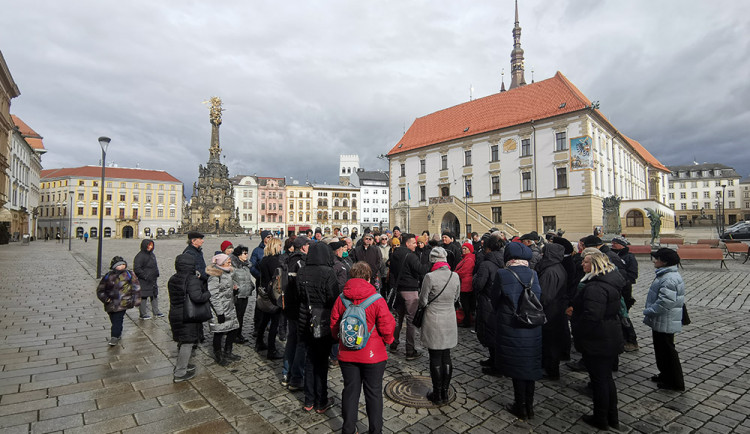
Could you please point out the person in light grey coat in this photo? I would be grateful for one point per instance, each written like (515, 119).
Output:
(440, 288)
(221, 286)
(663, 313)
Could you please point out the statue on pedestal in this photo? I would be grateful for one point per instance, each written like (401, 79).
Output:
(655, 218)
(611, 217)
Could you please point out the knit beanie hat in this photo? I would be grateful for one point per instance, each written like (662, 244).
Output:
(516, 250)
(225, 245)
(116, 262)
(468, 246)
(438, 254)
(219, 259)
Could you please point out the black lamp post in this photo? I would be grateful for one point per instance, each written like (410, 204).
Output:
(104, 143)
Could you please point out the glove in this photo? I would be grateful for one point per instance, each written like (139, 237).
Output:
(220, 319)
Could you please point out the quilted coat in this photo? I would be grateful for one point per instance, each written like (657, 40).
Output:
(663, 312)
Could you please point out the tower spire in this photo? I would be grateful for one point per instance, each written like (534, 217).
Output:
(516, 57)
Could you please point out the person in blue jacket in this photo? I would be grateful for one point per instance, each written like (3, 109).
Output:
(663, 313)
(518, 348)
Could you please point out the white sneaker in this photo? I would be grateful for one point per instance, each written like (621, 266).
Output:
(113, 341)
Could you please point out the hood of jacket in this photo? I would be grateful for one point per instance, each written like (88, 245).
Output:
(213, 270)
(320, 254)
(553, 254)
(144, 246)
(184, 263)
(358, 289)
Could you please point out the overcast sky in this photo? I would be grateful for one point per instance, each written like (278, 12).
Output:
(305, 81)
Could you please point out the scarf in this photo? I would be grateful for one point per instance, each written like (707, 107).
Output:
(517, 262)
(437, 265)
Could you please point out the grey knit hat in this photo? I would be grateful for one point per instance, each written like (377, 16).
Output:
(438, 254)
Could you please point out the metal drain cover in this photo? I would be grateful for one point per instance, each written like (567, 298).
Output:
(411, 391)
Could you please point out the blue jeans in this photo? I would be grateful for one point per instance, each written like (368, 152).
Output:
(116, 319)
(294, 356)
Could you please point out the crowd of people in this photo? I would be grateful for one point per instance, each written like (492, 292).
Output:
(342, 302)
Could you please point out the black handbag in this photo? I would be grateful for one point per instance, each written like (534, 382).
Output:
(320, 319)
(419, 314)
(193, 312)
(685, 316)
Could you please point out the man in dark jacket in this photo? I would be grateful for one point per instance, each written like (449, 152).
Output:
(453, 249)
(482, 285)
(194, 248)
(619, 246)
(408, 272)
(145, 267)
(553, 280)
(340, 267)
(293, 371)
(257, 256)
(317, 290)
(369, 253)
(530, 240)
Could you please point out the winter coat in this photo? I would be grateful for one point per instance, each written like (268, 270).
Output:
(294, 263)
(385, 253)
(222, 299)
(341, 268)
(453, 249)
(536, 256)
(518, 349)
(631, 264)
(439, 329)
(119, 291)
(242, 277)
(255, 259)
(267, 267)
(144, 266)
(377, 314)
(184, 283)
(372, 256)
(596, 324)
(200, 262)
(663, 312)
(465, 270)
(318, 280)
(406, 270)
(553, 280)
(482, 284)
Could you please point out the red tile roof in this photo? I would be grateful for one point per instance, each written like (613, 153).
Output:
(110, 173)
(32, 137)
(536, 101)
(645, 154)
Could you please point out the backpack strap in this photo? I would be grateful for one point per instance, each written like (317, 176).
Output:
(370, 300)
(525, 285)
(346, 301)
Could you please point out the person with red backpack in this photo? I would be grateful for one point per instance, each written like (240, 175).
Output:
(362, 354)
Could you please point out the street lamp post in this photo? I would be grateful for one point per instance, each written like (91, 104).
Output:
(70, 220)
(723, 219)
(103, 143)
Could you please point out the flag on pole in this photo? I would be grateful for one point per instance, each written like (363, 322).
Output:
(408, 191)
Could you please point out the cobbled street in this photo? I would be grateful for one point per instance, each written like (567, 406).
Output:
(57, 373)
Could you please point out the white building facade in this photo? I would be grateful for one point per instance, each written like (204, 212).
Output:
(336, 206)
(245, 188)
(300, 207)
(373, 186)
(698, 193)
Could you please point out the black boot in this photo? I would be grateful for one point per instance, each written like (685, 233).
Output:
(219, 359)
(228, 351)
(435, 396)
(231, 357)
(530, 399)
(518, 408)
(447, 371)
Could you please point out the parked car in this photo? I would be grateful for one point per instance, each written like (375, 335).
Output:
(740, 233)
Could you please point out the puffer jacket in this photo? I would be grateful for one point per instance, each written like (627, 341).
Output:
(317, 279)
(663, 312)
(453, 249)
(377, 314)
(242, 277)
(255, 257)
(518, 349)
(596, 326)
(439, 329)
(184, 283)
(200, 261)
(119, 290)
(372, 256)
(220, 286)
(482, 284)
(144, 266)
(465, 270)
(553, 279)
(341, 268)
(406, 270)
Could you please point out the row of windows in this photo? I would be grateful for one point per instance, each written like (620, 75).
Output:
(383, 201)
(694, 184)
(706, 194)
(706, 205)
(701, 173)
(374, 191)
(561, 174)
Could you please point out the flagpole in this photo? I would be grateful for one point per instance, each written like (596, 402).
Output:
(466, 208)
(408, 207)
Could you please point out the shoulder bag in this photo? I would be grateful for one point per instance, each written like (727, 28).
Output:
(193, 312)
(419, 315)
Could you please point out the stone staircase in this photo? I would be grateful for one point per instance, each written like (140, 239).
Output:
(478, 221)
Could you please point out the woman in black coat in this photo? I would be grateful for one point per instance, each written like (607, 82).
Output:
(144, 266)
(518, 349)
(482, 285)
(267, 267)
(597, 333)
(553, 280)
(184, 283)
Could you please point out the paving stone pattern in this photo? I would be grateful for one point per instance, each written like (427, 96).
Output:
(59, 375)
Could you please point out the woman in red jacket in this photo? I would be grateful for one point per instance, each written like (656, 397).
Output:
(364, 367)
(465, 270)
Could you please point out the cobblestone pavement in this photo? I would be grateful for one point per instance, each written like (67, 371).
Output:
(58, 374)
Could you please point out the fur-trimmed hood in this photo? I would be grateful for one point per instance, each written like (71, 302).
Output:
(213, 270)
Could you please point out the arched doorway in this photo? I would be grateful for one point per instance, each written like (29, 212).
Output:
(450, 223)
(79, 232)
(127, 232)
(107, 232)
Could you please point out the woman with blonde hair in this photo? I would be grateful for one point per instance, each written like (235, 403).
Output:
(597, 333)
(270, 312)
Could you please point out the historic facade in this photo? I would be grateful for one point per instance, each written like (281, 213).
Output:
(271, 204)
(246, 198)
(698, 194)
(8, 91)
(138, 203)
(212, 206)
(539, 156)
(300, 207)
(336, 206)
(373, 189)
